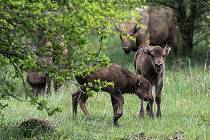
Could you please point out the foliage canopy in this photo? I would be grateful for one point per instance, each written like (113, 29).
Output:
(28, 23)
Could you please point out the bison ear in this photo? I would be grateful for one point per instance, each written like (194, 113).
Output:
(117, 28)
(138, 83)
(136, 29)
(147, 51)
(167, 50)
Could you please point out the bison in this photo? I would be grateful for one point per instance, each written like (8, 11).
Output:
(158, 29)
(124, 82)
(47, 58)
(38, 81)
(150, 63)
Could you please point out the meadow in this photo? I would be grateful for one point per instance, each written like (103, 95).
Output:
(185, 108)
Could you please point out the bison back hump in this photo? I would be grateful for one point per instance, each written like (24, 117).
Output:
(114, 73)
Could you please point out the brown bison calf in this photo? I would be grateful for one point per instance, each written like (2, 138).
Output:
(124, 82)
(150, 63)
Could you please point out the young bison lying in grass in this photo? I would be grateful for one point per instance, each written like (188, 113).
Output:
(150, 63)
(124, 82)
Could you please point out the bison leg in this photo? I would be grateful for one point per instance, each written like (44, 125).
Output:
(75, 98)
(57, 85)
(150, 108)
(158, 89)
(83, 104)
(141, 113)
(48, 88)
(117, 103)
(114, 105)
(48, 84)
(158, 101)
(38, 89)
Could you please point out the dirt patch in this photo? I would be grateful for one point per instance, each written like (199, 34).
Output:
(140, 136)
(177, 136)
(34, 127)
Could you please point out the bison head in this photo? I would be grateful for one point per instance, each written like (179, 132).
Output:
(157, 55)
(143, 88)
(128, 36)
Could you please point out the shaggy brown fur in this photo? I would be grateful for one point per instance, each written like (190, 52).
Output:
(38, 81)
(124, 82)
(159, 29)
(150, 63)
(127, 36)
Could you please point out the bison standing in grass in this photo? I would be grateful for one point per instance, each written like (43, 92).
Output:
(150, 63)
(45, 56)
(158, 29)
(124, 82)
(38, 81)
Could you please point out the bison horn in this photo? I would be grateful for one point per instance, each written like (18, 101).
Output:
(117, 28)
(166, 45)
(167, 50)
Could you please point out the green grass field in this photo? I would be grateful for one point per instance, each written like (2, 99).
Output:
(185, 109)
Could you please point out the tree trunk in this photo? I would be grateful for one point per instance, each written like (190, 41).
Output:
(187, 31)
(187, 25)
(187, 45)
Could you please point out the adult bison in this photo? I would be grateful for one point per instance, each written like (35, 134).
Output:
(39, 80)
(158, 29)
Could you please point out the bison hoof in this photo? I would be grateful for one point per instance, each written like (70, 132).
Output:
(74, 116)
(151, 115)
(141, 114)
(148, 113)
(158, 115)
(118, 115)
(88, 117)
(117, 125)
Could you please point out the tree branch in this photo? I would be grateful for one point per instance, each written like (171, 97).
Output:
(193, 11)
(100, 48)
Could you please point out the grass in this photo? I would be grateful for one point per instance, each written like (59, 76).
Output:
(185, 108)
